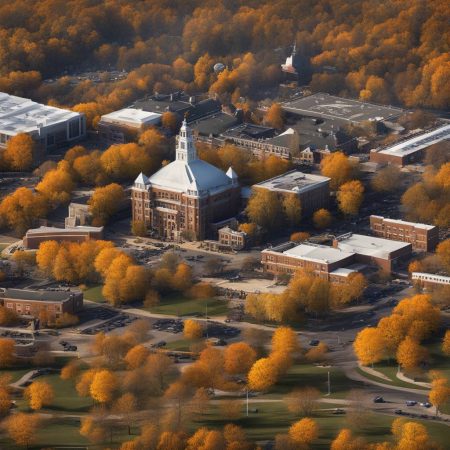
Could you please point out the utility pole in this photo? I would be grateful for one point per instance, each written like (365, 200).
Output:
(329, 383)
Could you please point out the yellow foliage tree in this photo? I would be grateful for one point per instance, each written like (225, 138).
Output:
(410, 353)
(285, 339)
(192, 329)
(292, 209)
(105, 202)
(337, 167)
(239, 358)
(350, 197)
(262, 375)
(136, 356)
(264, 209)
(304, 432)
(322, 218)
(39, 394)
(22, 428)
(7, 356)
(19, 152)
(104, 385)
(446, 343)
(274, 116)
(369, 346)
(440, 393)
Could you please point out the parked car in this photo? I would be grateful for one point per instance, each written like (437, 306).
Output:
(411, 403)
(314, 342)
(426, 404)
(339, 411)
(398, 411)
(378, 399)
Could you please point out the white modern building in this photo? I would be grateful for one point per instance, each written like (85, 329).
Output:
(49, 126)
(117, 127)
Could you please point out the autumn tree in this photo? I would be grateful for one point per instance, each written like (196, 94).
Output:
(8, 317)
(170, 121)
(446, 343)
(39, 394)
(239, 358)
(274, 116)
(317, 353)
(192, 329)
(285, 339)
(136, 356)
(440, 392)
(304, 432)
(302, 401)
(387, 179)
(337, 167)
(350, 197)
(262, 375)
(369, 346)
(443, 253)
(19, 153)
(322, 218)
(7, 356)
(410, 354)
(70, 371)
(127, 406)
(264, 209)
(57, 185)
(105, 202)
(299, 236)
(20, 210)
(46, 255)
(22, 428)
(200, 401)
(104, 385)
(178, 393)
(292, 209)
(346, 441)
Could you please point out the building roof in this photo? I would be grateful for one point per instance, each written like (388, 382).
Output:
(188, 173)
(317, 253)
(180, 103)
(417, 143)
(293, 181)
(343, 272)
(369, 245)
(215, 125)
(442, 279)
(284, 139)
(403, 222)
(30, 295)
(249, 131)
(333, 107)
(21, 115)
(131, 117)
(68, 230)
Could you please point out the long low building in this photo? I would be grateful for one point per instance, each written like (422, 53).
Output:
(32, 303)
(384, 253)
(35, 236)
(326, 262)
(430, 280)
(422, 237)
(50, 127)
(410, 150)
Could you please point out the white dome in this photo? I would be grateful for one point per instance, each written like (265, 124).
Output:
(179, 176)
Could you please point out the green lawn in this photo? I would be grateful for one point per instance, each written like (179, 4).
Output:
(273, 418)
(94, 294)
(302, 375)
(178, 305)
(182, 345)
(14, 373)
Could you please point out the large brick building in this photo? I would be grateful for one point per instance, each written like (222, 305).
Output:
(384, 253)
(185, 197)
(35, 236)
(422, 237)
(313, 191)
(31, 303)
(326, 262)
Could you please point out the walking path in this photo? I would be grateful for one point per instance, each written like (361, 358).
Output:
(404, 378)
(374, 372)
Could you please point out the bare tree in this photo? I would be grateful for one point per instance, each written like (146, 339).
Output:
(357, 414)
(302, 401)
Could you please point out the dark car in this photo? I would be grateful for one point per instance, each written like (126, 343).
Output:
(378, 399)
(338, 411)
(398, 411)
(314, 342)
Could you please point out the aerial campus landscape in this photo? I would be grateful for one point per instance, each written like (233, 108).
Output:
(224, 225)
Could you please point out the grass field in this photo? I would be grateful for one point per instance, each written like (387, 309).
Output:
(390, 370)
(183, 306)
(182, 345)
(94, 294)
(310, 375)
(273, 418)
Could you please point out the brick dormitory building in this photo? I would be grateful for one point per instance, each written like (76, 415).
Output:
(185, 198)
(30, 303)
(422, 237)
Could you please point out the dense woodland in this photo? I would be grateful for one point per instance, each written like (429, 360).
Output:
(394, 51)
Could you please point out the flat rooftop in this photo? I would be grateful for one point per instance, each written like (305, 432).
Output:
(22, 115)
(131, 117)
(423, 226)
(317, 253)
(369, 245)
(215, 125)
(332, 107)
(250, 131)
(30, 295)
(417, 143)
(293, 181)
(68, 230)
(430, 277)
